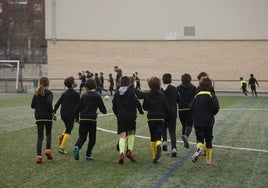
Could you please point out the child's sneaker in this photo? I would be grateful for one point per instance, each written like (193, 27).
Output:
(38, 159)
(174, 152)
(121, 158)
(60, 138)
(158, 152)
(196, 154)
(49, 154)
(185, 141)
(165, 146)
(131, 155)
(209, 164)
(62, 151)
(76, 153)
(89, 158)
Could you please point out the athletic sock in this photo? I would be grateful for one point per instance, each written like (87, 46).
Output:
(130, 142)
(199, 145)
(208, 155)
(122, 144)
(65, 140)
(153, 149)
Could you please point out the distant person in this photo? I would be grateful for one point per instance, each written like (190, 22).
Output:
(186, 91)
(42, 103)
(156, 105)
(68, 101)
(204, 107)
(82, 77)
(119, 74)
(252, 82)
(102, 83)
(138, 81)
(98, 83)
(125, 105)
(111, 84)
(172, 97)
(243, 86)
(87, 108)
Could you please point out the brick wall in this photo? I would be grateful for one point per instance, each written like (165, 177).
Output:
(222, 60)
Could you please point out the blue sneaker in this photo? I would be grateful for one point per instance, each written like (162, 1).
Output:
(76, 153)
(89, 158)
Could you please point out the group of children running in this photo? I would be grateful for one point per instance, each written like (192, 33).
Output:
(197, 106)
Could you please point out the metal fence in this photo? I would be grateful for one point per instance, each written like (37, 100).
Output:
(28, 85)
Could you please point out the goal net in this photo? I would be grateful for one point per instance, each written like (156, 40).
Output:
(7, 71)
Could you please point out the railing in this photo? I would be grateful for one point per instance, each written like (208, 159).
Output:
(28, 85)
(25, 55)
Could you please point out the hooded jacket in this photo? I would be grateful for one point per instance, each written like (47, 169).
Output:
(186, 94)
(172, 99)
(125, 104)
(88, 105)
(68, 101)
(43, 106)
(205, 105)
(155, 103)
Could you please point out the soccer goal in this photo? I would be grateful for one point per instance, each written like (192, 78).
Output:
(12, 64)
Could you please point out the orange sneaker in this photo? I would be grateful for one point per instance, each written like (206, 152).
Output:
(38, 159)
(121, 158)
(131, 155)
(60, 138)
(49, 154)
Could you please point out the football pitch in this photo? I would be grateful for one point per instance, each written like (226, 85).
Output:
(240, 151)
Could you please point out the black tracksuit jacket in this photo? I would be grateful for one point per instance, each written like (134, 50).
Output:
(43, 106)
(125, 106)
(172, 99)
(88, 105)
(155, 103)
(68, 101)
(205, 105)
(186, 93)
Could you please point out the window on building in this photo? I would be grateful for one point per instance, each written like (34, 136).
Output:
(1, 7)
(37, 7)
(17, 2)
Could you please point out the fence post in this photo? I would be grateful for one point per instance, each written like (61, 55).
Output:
(6, 85)
(35, 84)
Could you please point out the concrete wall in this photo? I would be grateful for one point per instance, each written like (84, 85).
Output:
(222, 60)
(156, 19)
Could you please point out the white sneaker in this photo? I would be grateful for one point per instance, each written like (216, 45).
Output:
(196, 154)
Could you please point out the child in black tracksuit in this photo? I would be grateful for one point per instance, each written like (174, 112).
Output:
(125, 105)
(87, 108)
(68, 101)
(42, 103)
(155, 103)
(186, 91)
(204, 107)
(170, 121)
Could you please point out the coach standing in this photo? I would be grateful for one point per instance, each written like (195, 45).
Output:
(118, 76)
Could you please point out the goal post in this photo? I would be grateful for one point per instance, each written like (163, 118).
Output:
(12, 64)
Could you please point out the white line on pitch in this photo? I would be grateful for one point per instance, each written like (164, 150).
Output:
(218, 146)
(244, 109)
